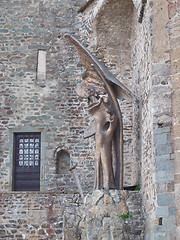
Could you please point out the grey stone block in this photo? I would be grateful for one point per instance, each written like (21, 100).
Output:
(160, 236)
(166, 229)
(164, 176)
(163, 158)
(165, 165)
(162, 212)
(160, 69)
(4, 30)
(163, 149)
(162, 130)
(165, 199)
(172, 211)
(160, 139)
(170, 221)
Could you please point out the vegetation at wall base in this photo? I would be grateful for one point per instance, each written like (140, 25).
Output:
(125, 216)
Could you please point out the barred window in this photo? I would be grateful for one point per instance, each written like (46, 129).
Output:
(27, 155)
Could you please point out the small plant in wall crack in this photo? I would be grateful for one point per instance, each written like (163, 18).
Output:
(137, 187)
(125, 216)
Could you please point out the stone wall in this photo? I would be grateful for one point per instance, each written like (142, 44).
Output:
(174, 22)
(54, 215)
(106, 215)
(155, 89)
(107, 30)
(141, 61)
(48, 105)
(139, 43)
(151, 43)
(34, 215)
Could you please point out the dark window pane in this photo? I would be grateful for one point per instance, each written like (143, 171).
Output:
(27, 162)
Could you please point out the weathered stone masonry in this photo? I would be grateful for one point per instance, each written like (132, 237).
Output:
(49, 106)
(174, 22)
(34, 216)
(150, 63)
(100, 23)
(139, 43)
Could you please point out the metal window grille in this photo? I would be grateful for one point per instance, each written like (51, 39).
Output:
(27, 162)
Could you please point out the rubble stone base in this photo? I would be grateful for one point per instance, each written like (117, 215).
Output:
(106, 215)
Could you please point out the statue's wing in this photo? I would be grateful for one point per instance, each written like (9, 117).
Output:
(114, 89)
(88, 60)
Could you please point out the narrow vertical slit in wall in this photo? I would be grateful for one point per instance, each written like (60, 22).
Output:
(41, 66)
(160, 221)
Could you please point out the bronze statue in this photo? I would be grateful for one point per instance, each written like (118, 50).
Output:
(102, 89)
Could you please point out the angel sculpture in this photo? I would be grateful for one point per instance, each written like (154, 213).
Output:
(102, 89)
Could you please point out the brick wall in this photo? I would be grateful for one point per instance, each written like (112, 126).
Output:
(34, 215)
(144, 56)
(47, 105)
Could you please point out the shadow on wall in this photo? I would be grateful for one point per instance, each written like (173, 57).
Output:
(114, 24)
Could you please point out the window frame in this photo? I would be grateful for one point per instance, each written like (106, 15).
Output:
(30, 161)
(13, 132)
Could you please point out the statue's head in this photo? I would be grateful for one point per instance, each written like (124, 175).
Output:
(91, 87)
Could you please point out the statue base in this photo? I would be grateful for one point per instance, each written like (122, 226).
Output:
(107, 215)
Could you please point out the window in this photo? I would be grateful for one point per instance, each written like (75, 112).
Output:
(62, 161)
(27, 155)
(41, 68)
